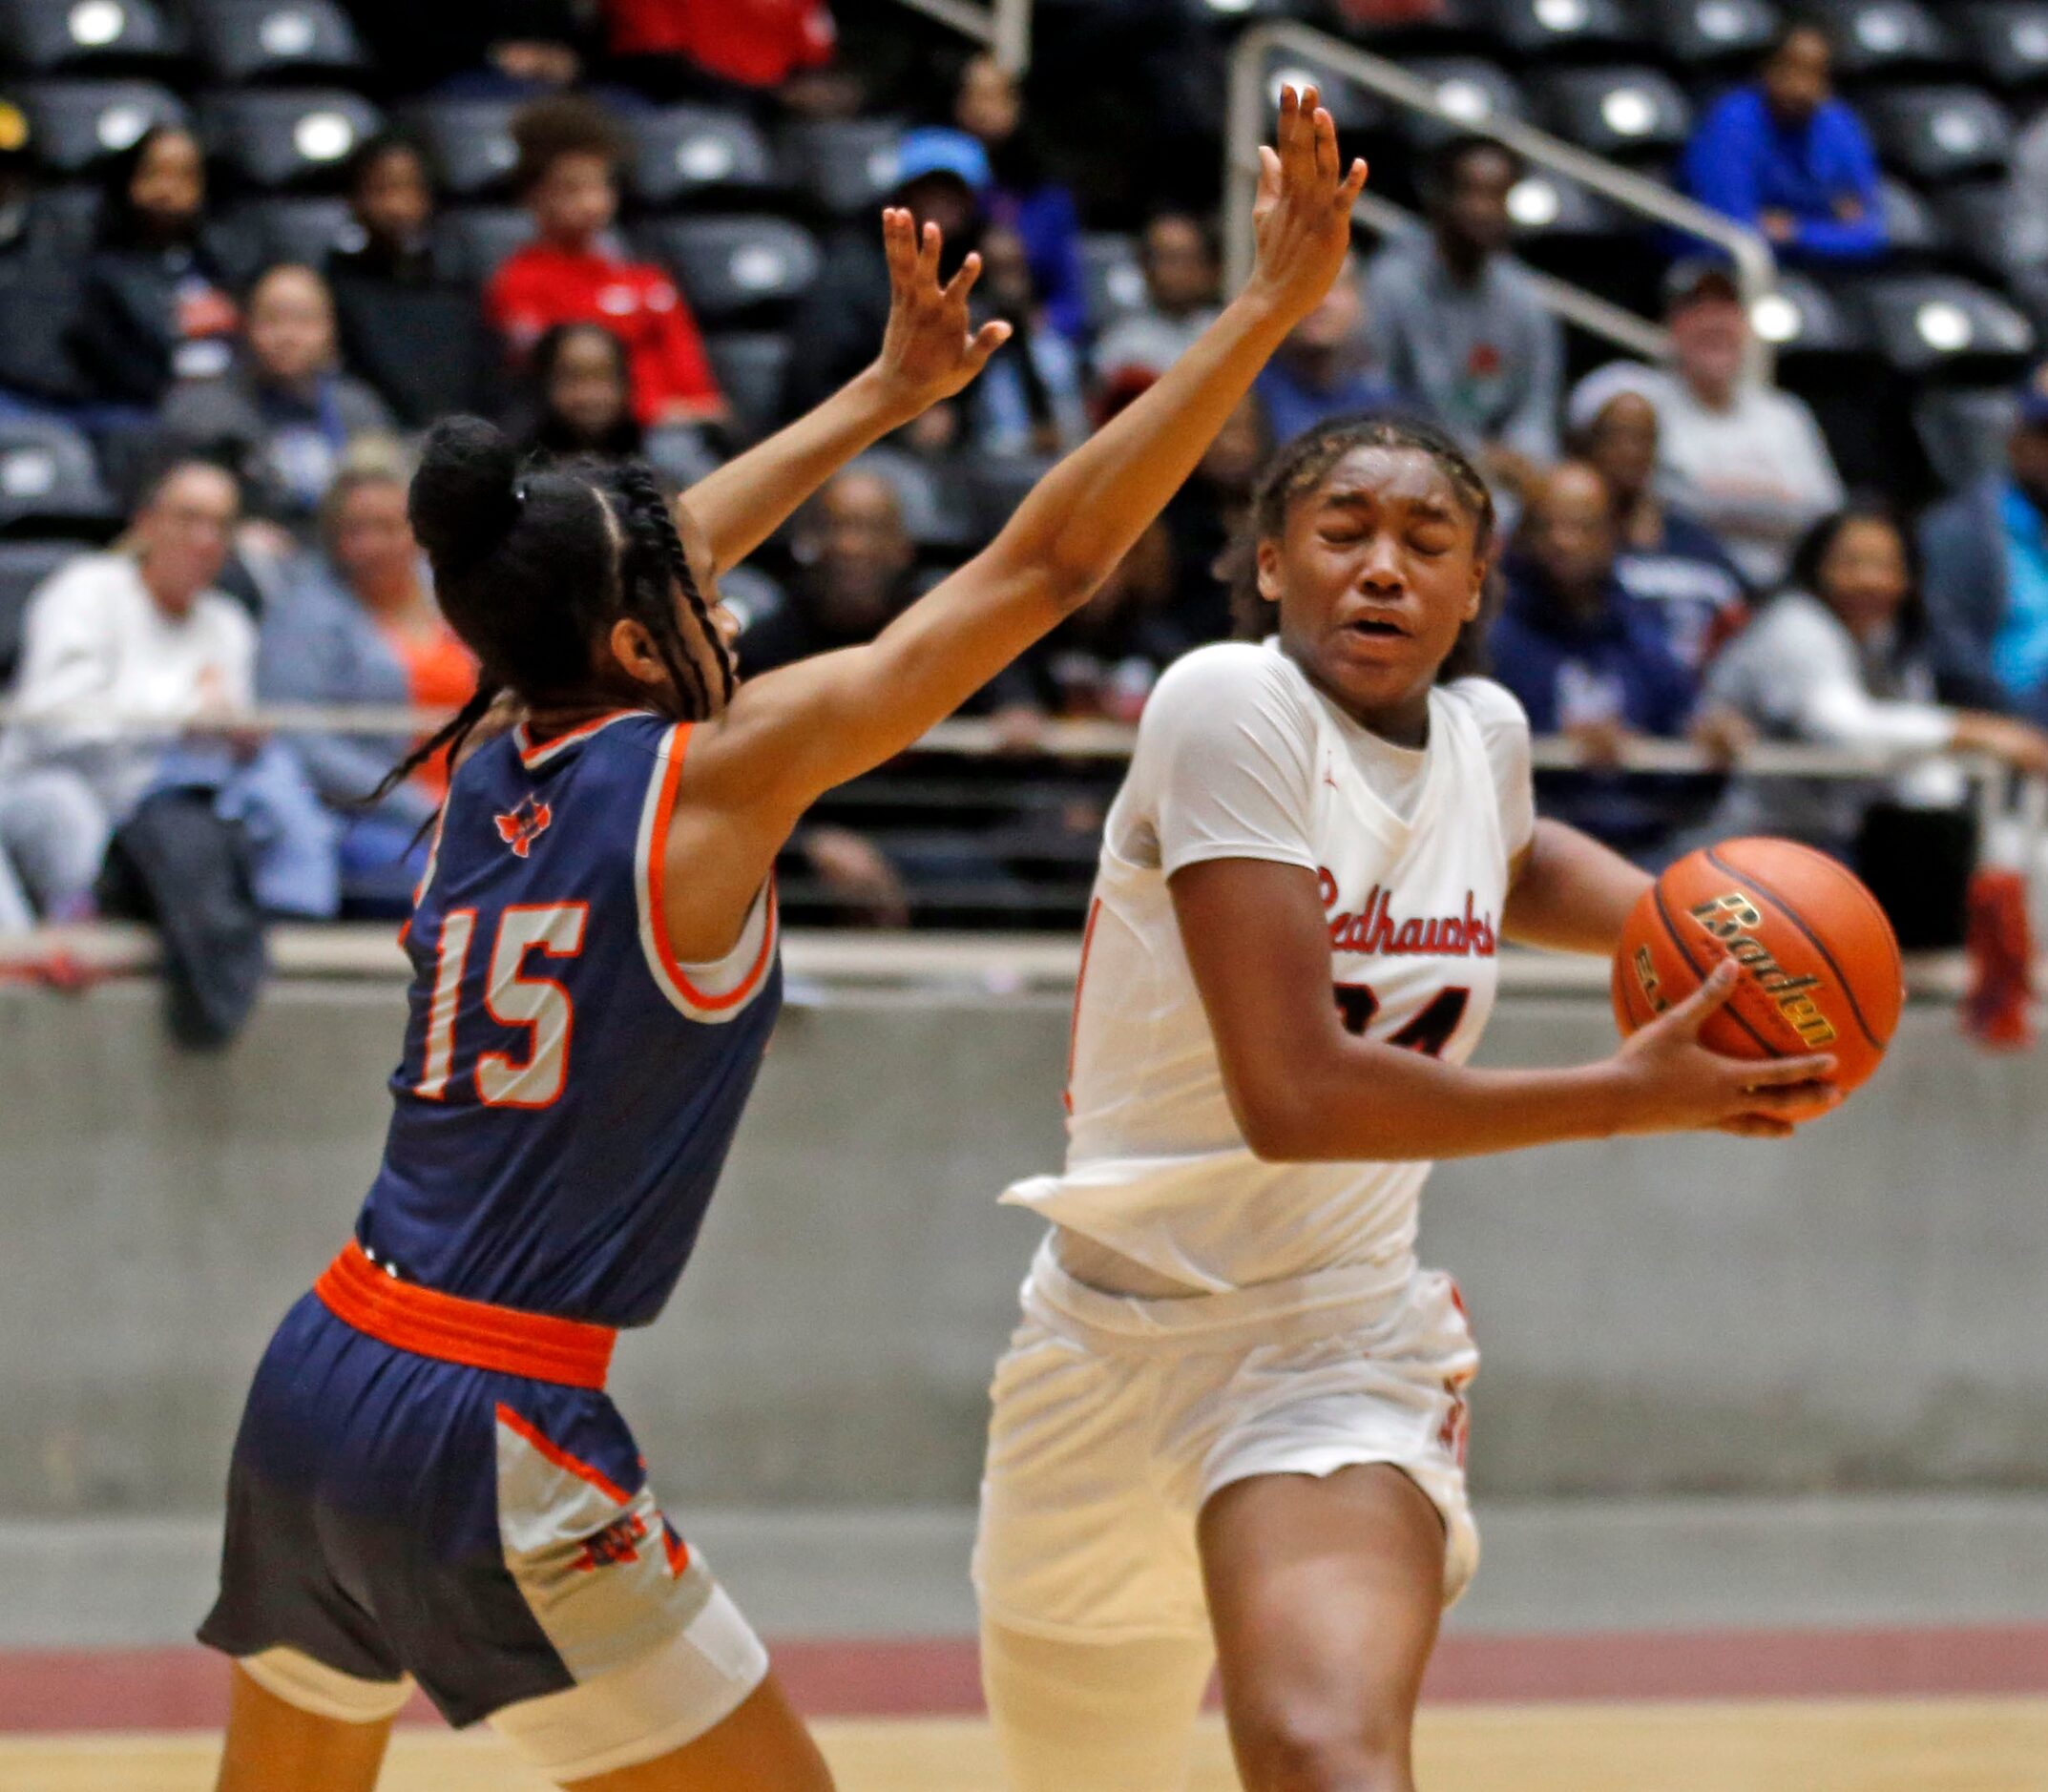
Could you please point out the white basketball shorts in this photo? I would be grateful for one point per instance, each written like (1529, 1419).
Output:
(1116, 1418)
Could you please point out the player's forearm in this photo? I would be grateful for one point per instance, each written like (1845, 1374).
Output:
(749, 498)
(1085, 515)
(1375, 1103)
(1572, 895)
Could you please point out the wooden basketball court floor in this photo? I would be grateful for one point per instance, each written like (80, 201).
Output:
(1987, 1745)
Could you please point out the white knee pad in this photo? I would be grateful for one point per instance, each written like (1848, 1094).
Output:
(310, 1685)
(1088, 1716)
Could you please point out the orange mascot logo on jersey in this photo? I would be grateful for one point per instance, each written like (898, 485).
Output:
(524, 826)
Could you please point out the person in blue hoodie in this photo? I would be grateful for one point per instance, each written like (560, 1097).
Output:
(1591, 663)
(1783, 156)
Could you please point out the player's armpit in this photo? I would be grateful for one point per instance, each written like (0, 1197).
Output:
(1568, 893)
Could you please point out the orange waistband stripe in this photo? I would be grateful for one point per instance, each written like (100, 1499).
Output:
(451, 1329)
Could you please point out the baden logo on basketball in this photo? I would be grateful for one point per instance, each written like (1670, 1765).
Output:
(1733, 920)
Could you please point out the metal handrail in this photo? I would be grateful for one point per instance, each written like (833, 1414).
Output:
(1004, 25)
(1756, 267)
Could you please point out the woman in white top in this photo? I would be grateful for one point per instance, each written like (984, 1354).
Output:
(1233, 1420)
(1834, 660)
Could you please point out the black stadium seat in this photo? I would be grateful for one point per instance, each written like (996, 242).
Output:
(1626, 112)
(468, 141)
(846, 165)
(1982, 230)
(1964, 431)
(1928, 324)
(74, 126)
(49, 481)
(1881, 38)
(2008, 40)
(1113, 277)
(275, 40)
(734, 267)
(290, 138)
(680, 453)
(300, 228)
(1915, 233)
(1939, 133)
(23, 565)
(1476, 92)
(1548, 28)
(1548, 206)
(84, 37)
(683, 152)
(751, 366)
(1805, 319)
(1713, 34)
(1350, 105)
(473, 239)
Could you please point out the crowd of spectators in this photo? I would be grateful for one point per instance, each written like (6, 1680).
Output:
(1682, 560)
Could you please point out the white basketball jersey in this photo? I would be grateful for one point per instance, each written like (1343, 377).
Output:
(1239, 756)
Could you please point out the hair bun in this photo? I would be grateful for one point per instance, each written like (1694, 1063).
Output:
(464, 502)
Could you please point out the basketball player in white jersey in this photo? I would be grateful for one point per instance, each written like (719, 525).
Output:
(1232, 1423)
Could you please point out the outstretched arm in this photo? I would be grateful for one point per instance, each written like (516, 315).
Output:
(794, 734)
(928, 353)
(1570, 894)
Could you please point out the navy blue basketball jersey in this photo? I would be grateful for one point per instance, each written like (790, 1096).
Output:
(568, 1091)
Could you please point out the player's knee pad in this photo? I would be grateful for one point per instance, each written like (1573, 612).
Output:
(1070, 1715)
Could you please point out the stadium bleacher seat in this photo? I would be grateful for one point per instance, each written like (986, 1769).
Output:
(749, 594)
(1915, 232)
(1980, 228)
(1351, 106)
(1625, 114)
(680, 453)
(77, 125)
(85, 37)
(288, 137)
(751, 365)
(734, 268)
(1932, 324)
(848, 166)
(1112, 278)
(1804, 319)
(685, 152)
(1881, 38)
(1473, 91)
(1706, 35)
(1549, 28)
(301, 228)
(48, 482)
(275, 40)
(935, 514)
(1549, 206)
(1939, 133)
(473, 239)
(23, 565)
(2008, 40)
(468, 141)
(66, 216)
(1963, 429)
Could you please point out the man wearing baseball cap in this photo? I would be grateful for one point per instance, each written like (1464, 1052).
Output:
(941, 176)
(1744, 458)
(1986, 575)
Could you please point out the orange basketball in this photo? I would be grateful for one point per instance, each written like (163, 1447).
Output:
(1820, 962)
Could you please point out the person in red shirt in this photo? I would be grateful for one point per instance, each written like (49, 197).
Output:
(569, 158)
(753, 43)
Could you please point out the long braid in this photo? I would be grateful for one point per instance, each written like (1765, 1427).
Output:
(652, 505)
(453, 735)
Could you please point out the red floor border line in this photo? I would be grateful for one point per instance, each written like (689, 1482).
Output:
(74, 1689)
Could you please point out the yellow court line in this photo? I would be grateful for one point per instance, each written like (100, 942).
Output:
(1962, 1745)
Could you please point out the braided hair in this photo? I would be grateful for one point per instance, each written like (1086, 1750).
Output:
(1303, 465)
(532, 563)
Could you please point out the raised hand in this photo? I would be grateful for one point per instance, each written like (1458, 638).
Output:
(930, 350)
(1302, 215)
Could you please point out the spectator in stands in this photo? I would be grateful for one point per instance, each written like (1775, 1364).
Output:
(1839, 658)
(1030, 401)
(1745, 459)
(780, 47)
(940, 178)
(153, 297)
(359, 625)
(414, 332)
(518, 48)
(1321, 369)
(284, 413)
(1183, 267)
(38, 283)
(1785, 157)
(1457, 323)
(580, 398)
(1668, 561)
(568, 173)
(1588, 662)
(1041, 210)
(1987, 575)
(1207, 518)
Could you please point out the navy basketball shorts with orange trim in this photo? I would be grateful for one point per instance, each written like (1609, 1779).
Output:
(489, 1536)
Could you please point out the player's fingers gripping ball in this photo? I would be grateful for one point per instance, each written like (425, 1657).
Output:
(1820, 961)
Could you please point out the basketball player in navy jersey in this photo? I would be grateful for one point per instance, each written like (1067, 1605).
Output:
(429, 1485)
